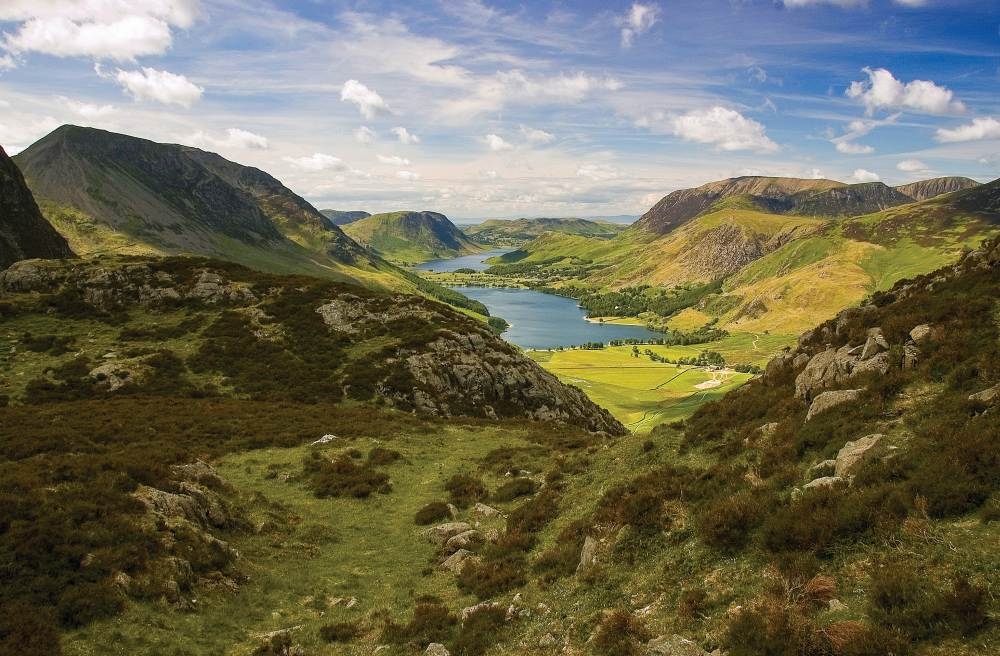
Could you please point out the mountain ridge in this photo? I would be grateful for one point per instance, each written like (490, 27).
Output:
(411, 237)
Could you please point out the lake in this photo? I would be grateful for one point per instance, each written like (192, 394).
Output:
(475, 262)
(542, 321)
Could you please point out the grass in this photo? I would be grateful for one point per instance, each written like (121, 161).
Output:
(643, 394)
(333, 548)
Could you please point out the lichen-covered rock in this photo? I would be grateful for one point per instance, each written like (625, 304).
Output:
(588, 555)
(920, 333)
(824, 481)
(825, 369)
(464, 540)
(456, 561)
(875, 344)
(829, 400)
(855, 454)
(441, 533)
(673, 645)
(988, 397)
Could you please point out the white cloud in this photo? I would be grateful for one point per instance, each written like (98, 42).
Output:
(393, 160)
(103, 29)
(21, 133)
(861, 175)
(883, 91)
(836, 3)
(235, 138)
(911, 3)
(535, 136)
(364, 135)
(639, 18)
(405, 136)
(489, 175)
(87, 110)
(726, 129)
(369, 103)
(496, 142)
(985, 127)
(158, 86)
(7, 63)
(514, 86)
(408, 175)
(317, 162)
(851, 148)
(598, 172)
(912, 166)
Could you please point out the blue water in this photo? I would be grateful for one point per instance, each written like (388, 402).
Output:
(476, 262)
(542, 321)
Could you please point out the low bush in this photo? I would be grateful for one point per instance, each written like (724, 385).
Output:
(726, 524)
(519, 487)
(464, 490)
(480, 631)
(339, 632)
(432, 512)
(431, 622)
(380, 456)
(493, 576)
(620, 634)
(341, 477)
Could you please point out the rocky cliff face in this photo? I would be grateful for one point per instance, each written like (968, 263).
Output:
(24, 233)
(851, 200)
(925, 189)
(335, 341)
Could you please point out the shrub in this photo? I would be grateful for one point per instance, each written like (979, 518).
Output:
(726, 524)
(648, 446)
(620, 634)
(966, 606)
(692, 602)
(24, 631)
(380, 456)
(519, 487)
(531, 516)
(85, 603)
(899, 599)
(464, 490)
(342, 478)
(431, 622)
(480, 631)
(492, 577)
(339, 632)
(432, 512)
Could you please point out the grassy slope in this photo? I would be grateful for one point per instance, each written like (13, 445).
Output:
(643, 394)
(387, 234)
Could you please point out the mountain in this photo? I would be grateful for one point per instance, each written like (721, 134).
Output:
(751, 270)
(342, 217)
(516, 232)
(109, 192)
(411, 237)
(927, 189)
(24, 232)
(679, 207)
(848, 200)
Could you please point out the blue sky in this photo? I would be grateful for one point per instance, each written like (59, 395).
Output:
(482, 109)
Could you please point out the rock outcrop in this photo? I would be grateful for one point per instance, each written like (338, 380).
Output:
(24, 232)
(855, 454)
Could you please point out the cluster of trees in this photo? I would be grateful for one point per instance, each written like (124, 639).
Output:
(633, 301)
(703, 359)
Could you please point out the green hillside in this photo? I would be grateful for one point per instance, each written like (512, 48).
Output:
(500, 233)
(343, 217)
(411, 237)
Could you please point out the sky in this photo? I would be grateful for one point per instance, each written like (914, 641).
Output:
(501, 109)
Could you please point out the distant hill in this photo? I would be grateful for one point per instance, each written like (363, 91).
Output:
(412, 237)
(24, 232)
(343, 217)
(927, 189)
(750, 269)
(516, 232)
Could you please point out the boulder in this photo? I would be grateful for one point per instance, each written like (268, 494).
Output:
(768, 430)
(856, 453)
(441, 533)
(482, 605)
(825, 481)
(829, 400)
(825, 464)
(988, 397)
(547, 640)
(464, 540)
(877, 363)
(911, 356)
(436, 649)
(588, 555)
(673, 645)
(485, 511)
(455, 562)
(875, 344)
(920, 333)
(824, 370)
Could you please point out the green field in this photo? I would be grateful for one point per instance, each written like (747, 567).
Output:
(643, 394)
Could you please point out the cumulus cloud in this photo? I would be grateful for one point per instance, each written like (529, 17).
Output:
(235, 138)
(120, 30)
(985, 127)
(87, 110)
(410, 176)
(157, 86)
(598, 172)
(861, 175)
(883, 91)
(7, 63)
(364, 135)
(317, 162)
(639, 19)
(393, 160)
(368, 102)
(496, 143)
(724, 128)
(851, 148)
(405, 136)
(535, 136)
(912, 166)
(514, 86)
